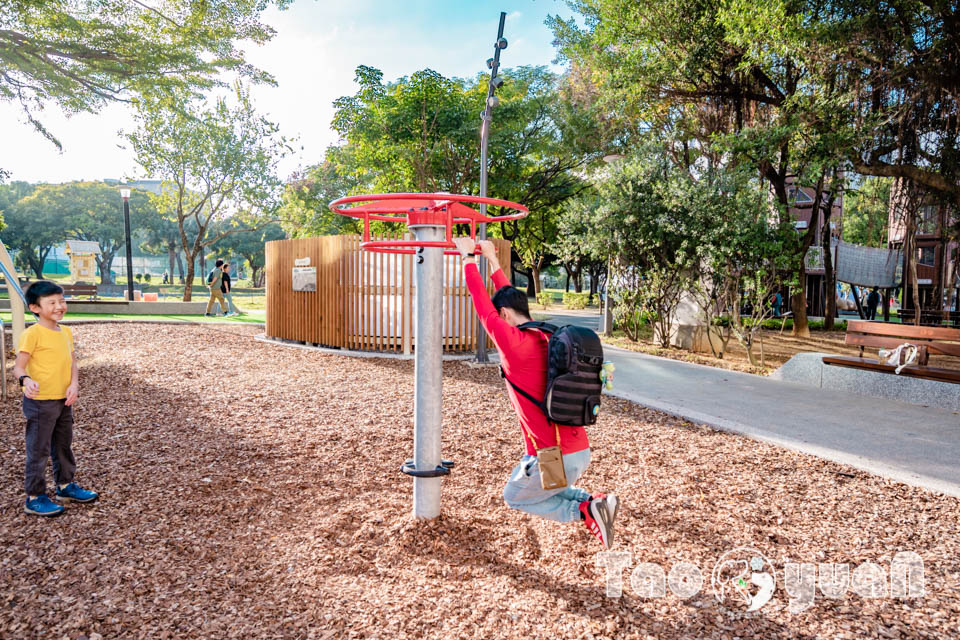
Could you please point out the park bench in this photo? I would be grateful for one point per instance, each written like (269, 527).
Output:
(931, 317)
(77, 290)
(886, 335)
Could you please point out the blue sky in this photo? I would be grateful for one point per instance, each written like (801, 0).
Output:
(318, 46)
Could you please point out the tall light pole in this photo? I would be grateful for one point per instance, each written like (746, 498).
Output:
(606, 327)
(125, 194)
(487, 116)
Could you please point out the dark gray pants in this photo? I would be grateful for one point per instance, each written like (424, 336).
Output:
(49, 433)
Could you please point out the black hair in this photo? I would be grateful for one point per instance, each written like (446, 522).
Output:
(511, 298)
(41, 289)
(218, 263)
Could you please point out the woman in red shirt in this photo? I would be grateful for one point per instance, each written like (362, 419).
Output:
(523, 356)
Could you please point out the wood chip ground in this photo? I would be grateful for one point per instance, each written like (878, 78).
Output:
(252, 491)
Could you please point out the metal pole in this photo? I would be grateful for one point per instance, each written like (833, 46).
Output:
(482, 232)
(428, 370)
(126, 225)
(487, 118)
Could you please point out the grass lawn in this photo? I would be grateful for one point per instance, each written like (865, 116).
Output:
(255, 317)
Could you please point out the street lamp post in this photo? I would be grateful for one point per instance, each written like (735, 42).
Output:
(486, 117)
(606, 325)
(125, 194)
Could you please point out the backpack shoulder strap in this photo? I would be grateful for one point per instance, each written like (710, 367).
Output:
(526, 395)
(543, 326)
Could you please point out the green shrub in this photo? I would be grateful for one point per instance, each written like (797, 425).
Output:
(139, 277)
(146, 277)
(576, 300)
(544, 298)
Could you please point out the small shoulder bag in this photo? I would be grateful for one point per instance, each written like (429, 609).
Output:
(550, 461)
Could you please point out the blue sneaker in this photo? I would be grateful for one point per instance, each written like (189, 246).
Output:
(43, 506)
(73, 493)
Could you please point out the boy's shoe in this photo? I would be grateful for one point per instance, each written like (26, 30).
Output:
(596, 516)
(73, 493)
(43, 506)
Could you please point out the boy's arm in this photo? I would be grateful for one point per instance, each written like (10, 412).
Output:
(73, 391)
(504, 335)
(30, 386)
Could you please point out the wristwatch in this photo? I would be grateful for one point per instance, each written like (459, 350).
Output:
(20, 379)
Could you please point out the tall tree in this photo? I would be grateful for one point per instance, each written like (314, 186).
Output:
(421, 133)
(718, 83)
(82, 54)
(217, 163)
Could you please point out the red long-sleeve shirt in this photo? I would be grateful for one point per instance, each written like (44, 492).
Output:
(523, 355)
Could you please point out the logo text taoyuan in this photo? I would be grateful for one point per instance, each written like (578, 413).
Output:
(903, 578)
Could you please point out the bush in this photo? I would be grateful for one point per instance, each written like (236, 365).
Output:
(576, 300)
(544, 298)
(146, 277)
(139, 277)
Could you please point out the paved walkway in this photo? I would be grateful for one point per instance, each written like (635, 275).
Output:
(910, 443)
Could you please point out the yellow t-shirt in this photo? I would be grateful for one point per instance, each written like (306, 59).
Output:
(51, 359)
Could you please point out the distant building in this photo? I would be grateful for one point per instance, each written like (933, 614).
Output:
(83, 264)
(938, 280)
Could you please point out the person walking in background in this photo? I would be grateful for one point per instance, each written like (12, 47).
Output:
(873, 299)
(214, 281)
(225, 289)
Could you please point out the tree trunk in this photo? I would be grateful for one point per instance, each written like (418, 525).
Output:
(829, 278)
(172, 255)
(36, 265)
(535, 280)
(566, 284)
(911, 254)
(179, 268)
(105, 261)
(578, 281)
(798, 304)
(188, 286)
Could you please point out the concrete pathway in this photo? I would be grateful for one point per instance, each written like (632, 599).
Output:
(905, 442)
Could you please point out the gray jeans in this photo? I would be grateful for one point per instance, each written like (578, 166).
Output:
(49, 433)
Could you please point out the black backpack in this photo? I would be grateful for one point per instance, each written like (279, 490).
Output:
(574, 360)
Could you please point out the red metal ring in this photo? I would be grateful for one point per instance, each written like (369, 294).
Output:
(444, 208)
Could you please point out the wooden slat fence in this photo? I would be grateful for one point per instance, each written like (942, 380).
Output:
(364, 300)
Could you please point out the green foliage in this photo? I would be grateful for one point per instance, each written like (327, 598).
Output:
(572, 300)
(82, 54)
(139, 277)
(420, 133)
(544, 298)
(218, 165)
(83, 211)
(866, 212)
(146, 278)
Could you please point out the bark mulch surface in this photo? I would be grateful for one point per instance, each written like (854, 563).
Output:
(251, 490)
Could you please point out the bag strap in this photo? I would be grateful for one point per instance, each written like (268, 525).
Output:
(533, 441)
(536, 324)
(503, 374)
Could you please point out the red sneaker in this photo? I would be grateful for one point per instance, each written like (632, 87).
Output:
(597, 518)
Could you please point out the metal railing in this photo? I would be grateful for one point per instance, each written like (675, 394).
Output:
(15, 285)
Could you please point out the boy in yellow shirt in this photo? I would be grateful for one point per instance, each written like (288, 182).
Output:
(46, 368)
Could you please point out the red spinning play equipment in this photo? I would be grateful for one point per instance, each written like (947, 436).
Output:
(435, 209)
